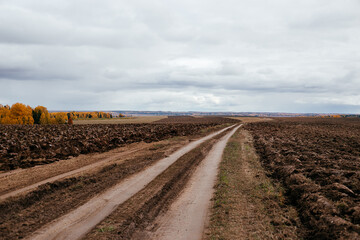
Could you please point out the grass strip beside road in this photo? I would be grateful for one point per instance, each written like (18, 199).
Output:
(247, 204)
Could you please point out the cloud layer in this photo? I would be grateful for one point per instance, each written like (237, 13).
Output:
(257, 55)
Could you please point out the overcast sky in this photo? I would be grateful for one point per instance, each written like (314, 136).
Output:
(203, 55)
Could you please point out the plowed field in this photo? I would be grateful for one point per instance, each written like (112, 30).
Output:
(139, 184)
(23, 146)
(318, 162)
(190, 119)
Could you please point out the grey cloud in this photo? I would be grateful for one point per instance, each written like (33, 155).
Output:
(19, 74)
(230, 68)
(14, 73)
(335, 16)
(24, 26)
(182, 55)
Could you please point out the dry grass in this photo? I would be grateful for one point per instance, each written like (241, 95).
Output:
(127, 120)
(247, 204)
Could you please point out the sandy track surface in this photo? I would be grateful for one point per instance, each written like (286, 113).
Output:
(78, 222)
(187, 216)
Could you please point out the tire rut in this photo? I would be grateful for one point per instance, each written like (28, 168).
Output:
(142, 209)
(188, 215)
(68, 174)
(76, 223)
(24, 214)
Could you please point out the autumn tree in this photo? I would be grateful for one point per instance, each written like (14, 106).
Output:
(4, 115)
(60, 117)
(44, 118)
(18, 114)
(41, 115)
(70, 121)
(22, 112)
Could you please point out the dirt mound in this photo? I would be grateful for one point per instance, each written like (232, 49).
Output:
(23, 146)
(318, 161)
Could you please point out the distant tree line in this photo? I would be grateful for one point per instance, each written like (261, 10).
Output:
(88, 115)
(20, 113)
(341, 116)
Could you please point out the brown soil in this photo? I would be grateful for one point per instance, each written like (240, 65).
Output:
(318, 162)
(191, 119)
(23, 214)
(23, 146)
(247, 204)
(78, 222)
(129, 219)
(122, 120)
(23, 180)
(251, 119)
(188, 215)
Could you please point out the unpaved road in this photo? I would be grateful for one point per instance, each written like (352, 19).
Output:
(77, 223)
(187, 216)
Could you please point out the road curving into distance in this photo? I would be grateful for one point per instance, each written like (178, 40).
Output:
(77, 223)
(187, 216)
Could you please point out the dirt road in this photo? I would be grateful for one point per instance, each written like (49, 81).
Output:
(187, 216)
(78, 222)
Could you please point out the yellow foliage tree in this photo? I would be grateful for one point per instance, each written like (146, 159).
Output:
(18, 114)
(4, 115)
(41, 115)
(44, 119)
(22, 114)
(61, 117)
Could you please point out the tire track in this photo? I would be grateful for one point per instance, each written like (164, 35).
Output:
(77, 223)
(187, 216)
(68, 174)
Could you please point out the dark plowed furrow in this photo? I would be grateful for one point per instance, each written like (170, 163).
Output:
(318, 162)
(23, 215)
(24, 146)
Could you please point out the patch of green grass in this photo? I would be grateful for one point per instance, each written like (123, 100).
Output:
(224, 179)
(266, 187)
(221, 200)
(106, 229)
(247, 147)
(270, 191)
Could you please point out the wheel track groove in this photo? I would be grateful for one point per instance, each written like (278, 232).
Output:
(78, 222)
